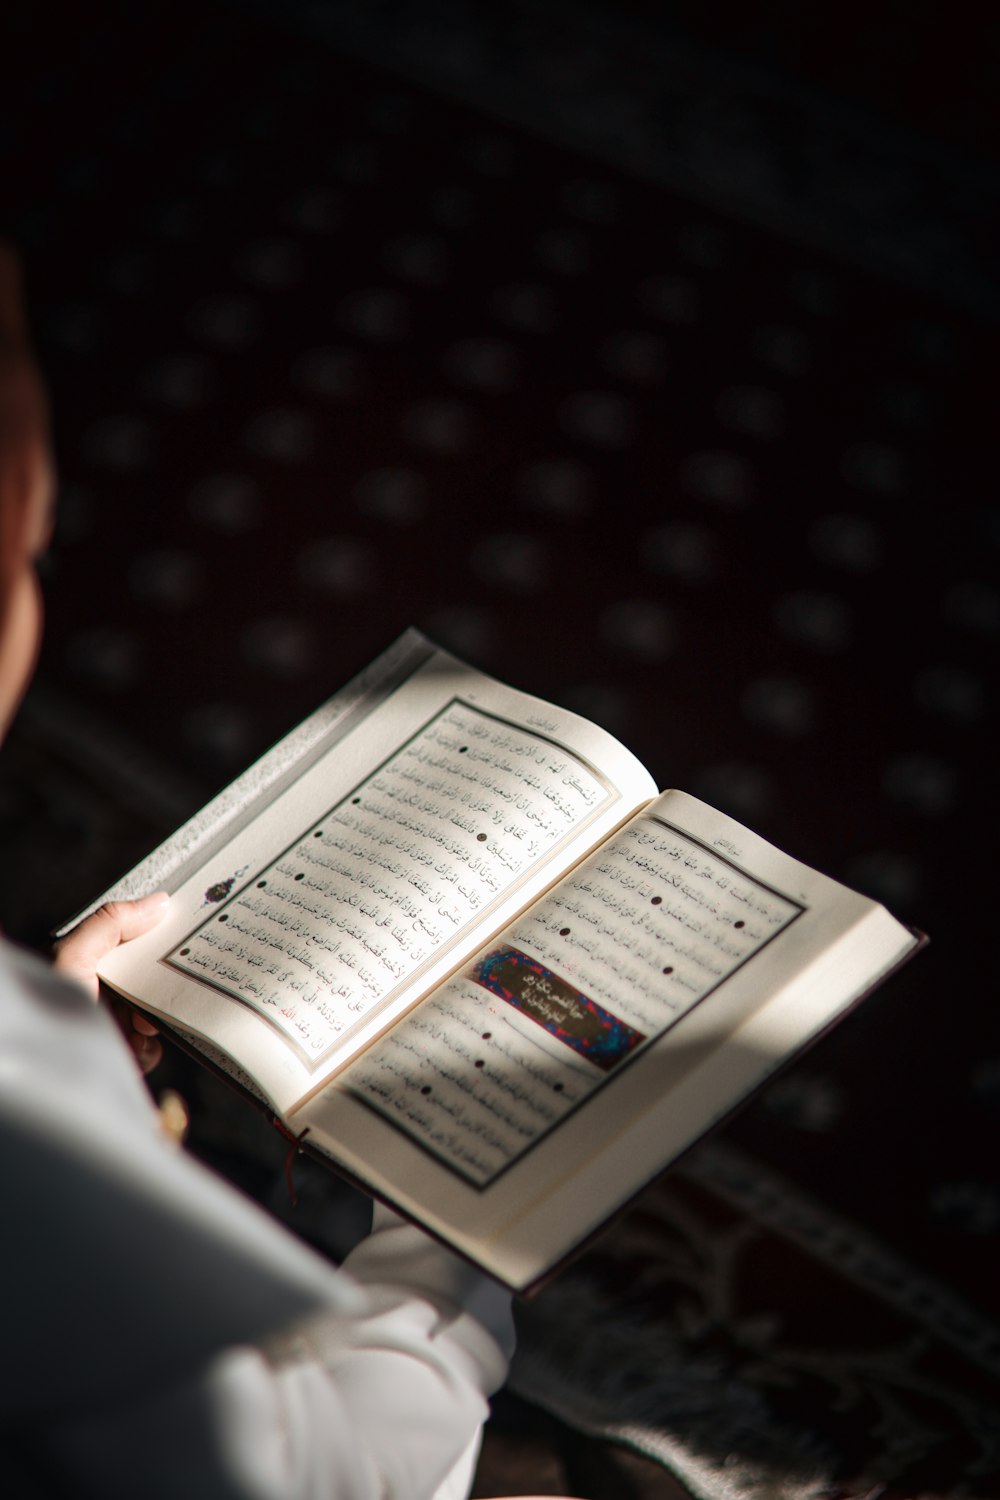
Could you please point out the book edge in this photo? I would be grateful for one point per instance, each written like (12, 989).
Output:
(192, 844)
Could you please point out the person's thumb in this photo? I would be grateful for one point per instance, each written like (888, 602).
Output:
(79, 954)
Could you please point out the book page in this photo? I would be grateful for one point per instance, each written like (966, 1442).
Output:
(322, 935)
(598, 970)
(377, 872)
(640, 1000)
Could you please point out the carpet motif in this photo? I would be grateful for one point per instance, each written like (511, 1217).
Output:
(670, 1335)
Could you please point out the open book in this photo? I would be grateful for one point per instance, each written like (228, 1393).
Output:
(454, 938)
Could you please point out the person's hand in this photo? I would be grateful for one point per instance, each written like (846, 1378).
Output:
(78, 955)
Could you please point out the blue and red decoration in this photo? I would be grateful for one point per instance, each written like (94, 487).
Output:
(563, 1011)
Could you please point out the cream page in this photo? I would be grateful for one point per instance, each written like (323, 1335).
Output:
(324, 933)
(593, 974)
(375, 874)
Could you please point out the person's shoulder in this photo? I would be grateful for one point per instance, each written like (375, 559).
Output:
(28, 976)
(60, 1053)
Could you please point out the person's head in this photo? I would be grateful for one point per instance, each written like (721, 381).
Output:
(26, 495)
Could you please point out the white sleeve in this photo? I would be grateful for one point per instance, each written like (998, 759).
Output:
(142, 1297)
(413, 1374)
(385, 1402)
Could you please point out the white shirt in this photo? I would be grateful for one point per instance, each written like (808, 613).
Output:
(163, 1336)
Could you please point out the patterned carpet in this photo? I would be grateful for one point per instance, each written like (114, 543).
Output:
(649, 389)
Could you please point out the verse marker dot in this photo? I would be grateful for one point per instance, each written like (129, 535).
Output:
(479, 1062)
(462, 749)
(261, 884)
(739, 924)
(426, 1089)
(481, 838)
(300, 876)
(185, 952)
(669, 969)
(487, 1035)
(564, 932)
(656, 901)
(223, 918)
(558, 1088)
